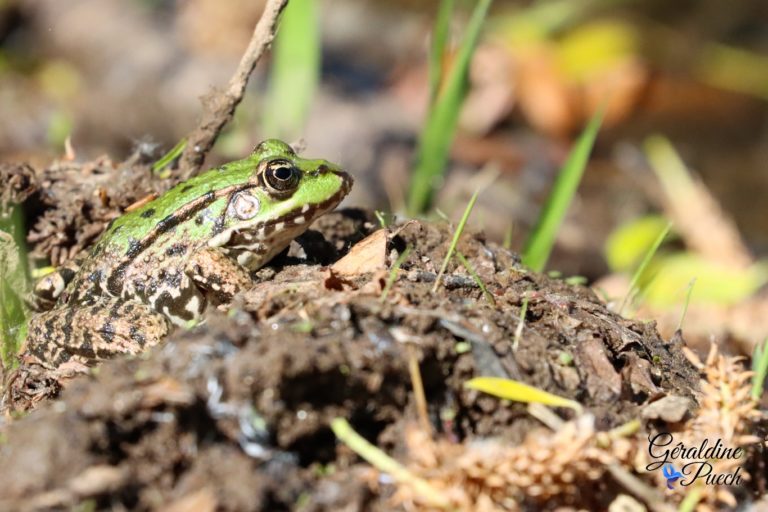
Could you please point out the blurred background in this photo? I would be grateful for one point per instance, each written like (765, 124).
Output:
(354, 85)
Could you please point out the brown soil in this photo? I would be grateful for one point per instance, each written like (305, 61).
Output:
(235, 414)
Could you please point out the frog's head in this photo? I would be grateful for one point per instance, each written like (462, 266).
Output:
(286, 195)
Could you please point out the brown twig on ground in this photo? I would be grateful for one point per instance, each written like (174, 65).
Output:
(219, 106)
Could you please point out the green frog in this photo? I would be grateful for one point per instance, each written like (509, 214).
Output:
(162, 263)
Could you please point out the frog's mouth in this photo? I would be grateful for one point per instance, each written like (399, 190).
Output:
(309, 212)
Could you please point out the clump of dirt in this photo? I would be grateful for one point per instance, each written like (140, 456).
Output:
(235, 414)
(69, 204)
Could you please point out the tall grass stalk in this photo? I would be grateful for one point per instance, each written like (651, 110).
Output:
(295, 70)
(449, 89)
(539, 244)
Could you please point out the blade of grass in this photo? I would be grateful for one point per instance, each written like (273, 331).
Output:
(507, 242)
(442, 118)
(13, 286)
(437, 49)
(455, 240)
(760, 367)
(165, 160)
(541, 240)
(509, 389)
(686, 303)
(385, 463)
(467, 265)
(641, 268)
(419, 395)
(295, 70)
(520, 324)
(393, 273)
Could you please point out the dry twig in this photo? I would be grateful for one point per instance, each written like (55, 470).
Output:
(219, 106)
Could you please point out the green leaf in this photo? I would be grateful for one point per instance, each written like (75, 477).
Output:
(443, 116)
(667, 280)
(542, 238)
(509, 389)
(295, 70)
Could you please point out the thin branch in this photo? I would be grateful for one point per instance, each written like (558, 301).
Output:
(219, 106)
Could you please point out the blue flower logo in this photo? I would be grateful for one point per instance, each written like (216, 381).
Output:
(671, 474)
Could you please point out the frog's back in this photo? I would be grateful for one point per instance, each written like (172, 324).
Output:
(197, 200)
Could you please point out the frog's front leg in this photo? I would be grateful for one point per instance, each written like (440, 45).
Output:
(217, 274)
(76, 336)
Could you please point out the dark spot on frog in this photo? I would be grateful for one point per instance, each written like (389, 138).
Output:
(103, 353)
(136, 336)
(134, 246)
(199, 220)
(95, 276)
(148, 213)
(218, 225)
(176, 250)
(186, 188)
(108, 331)
(67, 274)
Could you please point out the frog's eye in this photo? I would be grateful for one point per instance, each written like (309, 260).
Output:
(281, 176)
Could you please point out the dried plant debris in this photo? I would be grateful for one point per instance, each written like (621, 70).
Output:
(20, 181)
(728, 418)
(564, 468)
(69, 204)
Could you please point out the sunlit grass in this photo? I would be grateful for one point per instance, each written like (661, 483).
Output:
(455, 239)
(760, 367)
(385, 463)
(509, 389)
(467, 265)
(640, 270)
(393, 273)
(295, 71)
(13, 286)
(448, 90)
(539, 244)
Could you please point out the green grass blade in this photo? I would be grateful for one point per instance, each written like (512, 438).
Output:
(443, 117)
(165, 160)
(760, 367)
(13, 286)
(295, 70)
(437, 49)
(467, 265)
(455, 240)
(644, 264)
(539, 244)
(384, 463)
(393, 272)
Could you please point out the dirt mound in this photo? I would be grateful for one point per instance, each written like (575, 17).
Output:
(235, 414)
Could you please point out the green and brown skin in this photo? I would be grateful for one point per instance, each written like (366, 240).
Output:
(161, 264)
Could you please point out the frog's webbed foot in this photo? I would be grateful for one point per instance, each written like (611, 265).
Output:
(28, 385)
(217, 274)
